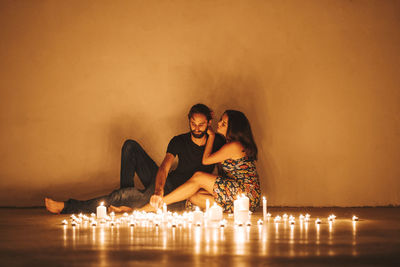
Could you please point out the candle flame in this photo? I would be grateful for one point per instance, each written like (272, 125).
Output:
(101, 204)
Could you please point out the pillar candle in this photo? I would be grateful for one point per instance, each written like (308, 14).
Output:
(241, 209)
(101, 211)
(215, 213)
(197, 216)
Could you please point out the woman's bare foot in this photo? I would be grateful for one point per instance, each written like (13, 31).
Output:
(54, 206)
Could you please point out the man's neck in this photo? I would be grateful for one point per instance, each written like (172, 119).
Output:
(199, 141)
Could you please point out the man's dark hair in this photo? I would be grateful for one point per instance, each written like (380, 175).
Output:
(201, 109)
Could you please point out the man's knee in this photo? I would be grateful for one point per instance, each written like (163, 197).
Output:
(130, 145)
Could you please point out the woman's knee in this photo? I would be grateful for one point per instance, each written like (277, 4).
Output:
(198, 175)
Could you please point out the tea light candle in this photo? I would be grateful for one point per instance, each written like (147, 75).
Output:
(101, 211)
(355, 218)
(64, 222)
(317, 221)
(260, 222)
(222, 223)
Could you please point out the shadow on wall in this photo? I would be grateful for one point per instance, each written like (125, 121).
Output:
(241, 90)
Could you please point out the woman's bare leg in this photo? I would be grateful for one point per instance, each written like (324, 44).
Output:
(200, 180)
(200, 198)
(54, 206)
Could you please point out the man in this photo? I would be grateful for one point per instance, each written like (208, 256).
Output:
(158, 181)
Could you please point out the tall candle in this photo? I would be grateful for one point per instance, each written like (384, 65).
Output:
(101, 211)
(265, 208)
(241, 209)
(164, 208)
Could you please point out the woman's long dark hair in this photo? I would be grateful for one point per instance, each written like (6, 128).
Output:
(239, 130)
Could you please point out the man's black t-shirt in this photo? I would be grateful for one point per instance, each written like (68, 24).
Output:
(190, 157)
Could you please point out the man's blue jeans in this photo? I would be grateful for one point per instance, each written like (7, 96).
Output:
(133, 160)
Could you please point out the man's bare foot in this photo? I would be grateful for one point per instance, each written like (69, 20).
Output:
(119, 209)
(147, 208)
(54, 206)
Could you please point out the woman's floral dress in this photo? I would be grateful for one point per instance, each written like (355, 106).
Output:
(240, 177)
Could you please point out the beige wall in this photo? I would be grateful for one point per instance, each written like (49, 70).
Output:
(319, 81)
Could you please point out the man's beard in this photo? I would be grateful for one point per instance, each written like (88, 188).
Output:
(198, 136)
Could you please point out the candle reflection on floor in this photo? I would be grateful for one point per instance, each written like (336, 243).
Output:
(212, 239)
(370, 240)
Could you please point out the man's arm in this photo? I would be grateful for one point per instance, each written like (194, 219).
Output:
(161, 177)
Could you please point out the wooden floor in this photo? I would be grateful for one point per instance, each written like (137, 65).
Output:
(33, 237)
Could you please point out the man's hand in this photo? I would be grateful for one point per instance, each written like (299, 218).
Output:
(156, 201)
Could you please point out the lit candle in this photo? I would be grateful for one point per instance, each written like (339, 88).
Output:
(355, 218)
(265, 208)
(241, 209)
(222, 223)
(164, 208)
(64, 222)
(101, 211)
(331, 218)
(215, 213)
(285, 217)
(317, 221)
(260, 222)
(197, 216)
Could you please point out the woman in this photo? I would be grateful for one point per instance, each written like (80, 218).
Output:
(237, 158)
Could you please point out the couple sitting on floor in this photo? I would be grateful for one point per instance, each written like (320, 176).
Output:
(233, 147)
